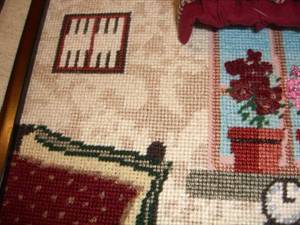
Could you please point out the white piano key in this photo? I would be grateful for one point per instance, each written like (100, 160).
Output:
(120, 26)
(112, 61)
(81, 59)
(102, 25)
(73, 26)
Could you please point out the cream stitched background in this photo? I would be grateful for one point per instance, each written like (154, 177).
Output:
(163, 95)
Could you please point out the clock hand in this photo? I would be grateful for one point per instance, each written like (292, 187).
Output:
(285, 197)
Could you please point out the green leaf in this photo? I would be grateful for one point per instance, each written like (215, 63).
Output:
(241, 110)
(253, 120)
(245, 116)
(261, 119)
(290, 105)
(228, 90)
(276, 112)
(280, 116)
(261, 122)
(267, 122)
(243, 107)
(252, 105)
(298, 113)
(282, 105)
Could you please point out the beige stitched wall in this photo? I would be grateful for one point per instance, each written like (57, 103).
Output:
(12, 20)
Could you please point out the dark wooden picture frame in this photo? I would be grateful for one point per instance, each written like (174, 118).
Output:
(1, 4)
(16, 90)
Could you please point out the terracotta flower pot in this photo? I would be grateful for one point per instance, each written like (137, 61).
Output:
(256, 150)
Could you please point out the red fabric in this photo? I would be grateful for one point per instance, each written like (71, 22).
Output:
(222, 13)
(52, 196)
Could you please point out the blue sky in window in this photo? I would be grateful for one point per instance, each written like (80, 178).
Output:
(234, 44)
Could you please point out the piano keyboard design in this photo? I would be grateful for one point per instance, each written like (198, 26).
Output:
(93, 43)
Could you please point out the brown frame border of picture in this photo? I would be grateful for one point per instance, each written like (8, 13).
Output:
(1, 4)
(16, 89)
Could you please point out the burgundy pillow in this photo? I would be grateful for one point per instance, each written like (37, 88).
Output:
(222, 13)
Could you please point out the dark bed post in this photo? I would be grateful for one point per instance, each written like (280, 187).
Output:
(15, 86)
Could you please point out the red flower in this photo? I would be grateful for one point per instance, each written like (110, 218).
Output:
(240, 90)
(258, 82)
(266, 67)
(267, 100)
(235, 67)
(243, 89)
(254, 83)
(262, 69)
(251, 66)
(253, 56)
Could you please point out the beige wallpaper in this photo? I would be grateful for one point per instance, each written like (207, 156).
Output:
(163, 95)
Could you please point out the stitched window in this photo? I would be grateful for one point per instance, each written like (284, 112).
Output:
(228, 45)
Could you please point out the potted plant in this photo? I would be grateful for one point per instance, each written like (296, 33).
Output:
(256, 149)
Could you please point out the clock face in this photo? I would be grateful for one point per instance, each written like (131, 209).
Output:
(281, 202)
